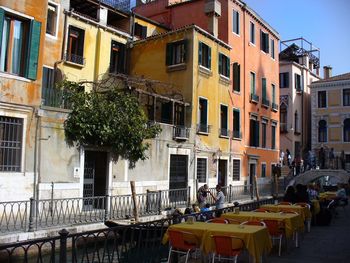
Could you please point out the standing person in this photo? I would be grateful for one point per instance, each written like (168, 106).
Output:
(282, 158)
(289, 158)
(219, 198)
(202, 194)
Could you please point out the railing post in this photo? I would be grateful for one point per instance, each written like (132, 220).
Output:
(31, 214)
(106, 217)
(189, 196)
(230, 194)
(159, 202)
(63, 245)
(147, 201)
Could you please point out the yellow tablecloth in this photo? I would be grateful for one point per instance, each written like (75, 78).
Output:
(316, 207)
(327, 195)
(304, 212)
(256, 238)
(292, 222)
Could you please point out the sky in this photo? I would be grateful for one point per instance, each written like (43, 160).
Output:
(325, 23)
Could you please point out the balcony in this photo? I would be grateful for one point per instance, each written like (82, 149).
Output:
(265, 102)
(75, 59)
(56, 98)
(223, 132)
(283, 128)
(237, 134)
(254, 98)
(274, 106)
(203, 128)
(181, 133)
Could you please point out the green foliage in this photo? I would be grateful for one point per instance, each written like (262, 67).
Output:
(112, 119)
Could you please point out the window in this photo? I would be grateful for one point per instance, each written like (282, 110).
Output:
(236, 169)
(346, 97)
(264, 101)
(273, 136)
(140, 31)
(322, 99)
(273, 91)
(273, 167)
(224, 65)
(263, 134)
(235, 22)
(19, 45)
(176, 53)
(264, 41)
(322, 131)
(52, 19)
(298, 82)
(252, 83)
(223, 121)
(236, 77)
(204, 55)
(254, 133)
(252, 33)
(11, 131)
(203, 116)
(75, 48)
(202, 170)
(236, 124)
(283, 118)
(263, 170)
(117, 59)
(347, 130)
(284, 80)
(296, 122)
(272, 48)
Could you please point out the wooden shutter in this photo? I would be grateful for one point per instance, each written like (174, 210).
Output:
(169, 52)
(184, 42)
(33, 50)
(261, 40)
(257, 134)
(227, 67)
(302, 82)
(267, 39)
(209, 57)
(236, 77)
(2, 18)
(263, 80)
(286, 80)
(200, 53)
(220, 63)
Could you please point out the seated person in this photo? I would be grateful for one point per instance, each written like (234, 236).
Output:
(206, 208)
(301, 194)
(290, 195)
(341, 193)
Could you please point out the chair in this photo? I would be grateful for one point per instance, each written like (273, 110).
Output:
(263, 210)
(218, 220)
(276, 231)
(308, 221)
(285, 203)
(295, 233)
(227, 247)
(303, 205)
(233, 221)
(253, 223)
(182, 243)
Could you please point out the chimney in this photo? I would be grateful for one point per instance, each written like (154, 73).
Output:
(327, 72)
(212, 9)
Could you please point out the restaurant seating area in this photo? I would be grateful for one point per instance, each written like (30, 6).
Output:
(272, 231)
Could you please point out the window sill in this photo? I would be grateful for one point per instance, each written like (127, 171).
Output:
(224, 136)
(205, 71)
(235, 34)
(236, 92)
(74, 64)
(203, 133)
(56, 109)
(265, 105)
(236, 138)
(49, 36)
(252, 44)
(224, 80)
(176, 67)
(11, 76)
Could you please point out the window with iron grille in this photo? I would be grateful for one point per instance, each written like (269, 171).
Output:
(202, 170)
(11, 130)
(236, 169)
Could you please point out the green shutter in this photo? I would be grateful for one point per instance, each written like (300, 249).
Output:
(236, 77)
(209, 57)
(33, 50)
(273, 93)
(267, 42)
(263, 88)
(199, 53)
(2, 18)
(261, 40)
(227, 67)
(169, 52)
(220, 63)
(257, 134)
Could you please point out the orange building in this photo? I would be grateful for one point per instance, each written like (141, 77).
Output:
(254, 58)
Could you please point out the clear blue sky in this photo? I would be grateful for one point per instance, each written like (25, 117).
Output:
(325, 23)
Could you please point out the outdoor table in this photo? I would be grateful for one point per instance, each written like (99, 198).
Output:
(292, 222)
(256, 238)
(327, 195)
(304, 212)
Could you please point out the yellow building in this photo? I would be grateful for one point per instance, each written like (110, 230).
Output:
(331, 117)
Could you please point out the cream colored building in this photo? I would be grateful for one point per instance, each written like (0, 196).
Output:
(330, 114)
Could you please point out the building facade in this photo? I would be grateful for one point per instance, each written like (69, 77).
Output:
(253, 92)
(330, 115)
(299, 67)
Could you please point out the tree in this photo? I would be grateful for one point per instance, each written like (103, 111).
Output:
(110, 118)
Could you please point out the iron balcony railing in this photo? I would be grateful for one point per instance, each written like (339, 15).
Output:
(237, 134)
(254, 98)
(141, 242)
(265, 102)
(74, 58)
(203, 128)
(54, 97)
(274, 106)
(224, 132)
(181, 133)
